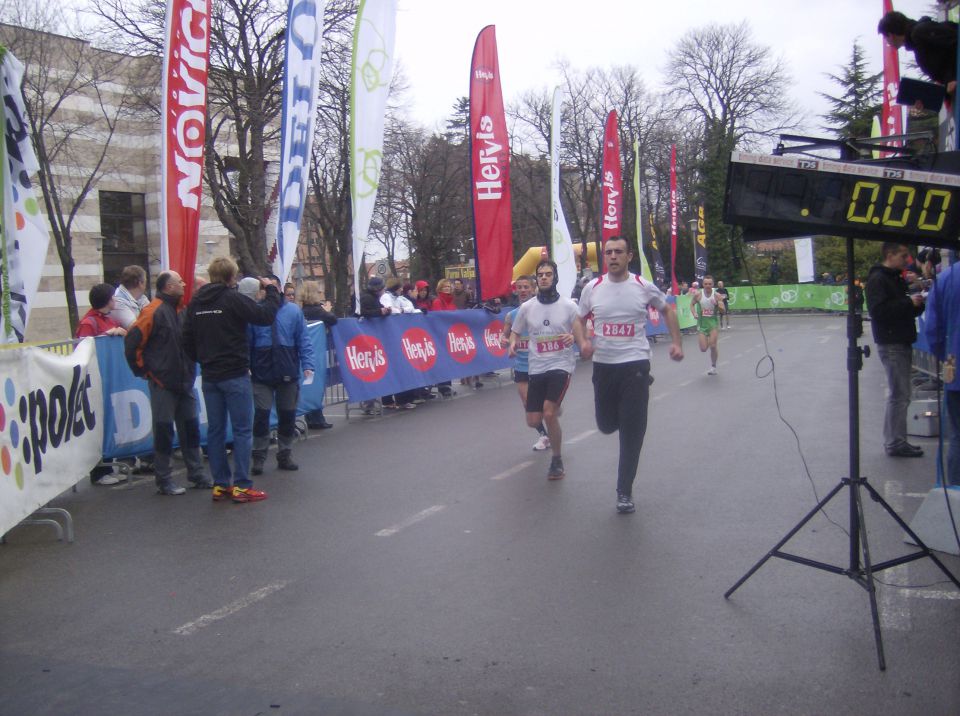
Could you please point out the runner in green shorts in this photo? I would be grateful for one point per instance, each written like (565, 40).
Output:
(706, 306)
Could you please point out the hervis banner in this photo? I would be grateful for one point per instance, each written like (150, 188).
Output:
(51, 426)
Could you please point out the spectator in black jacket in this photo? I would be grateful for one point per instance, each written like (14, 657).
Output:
(154, 350)
(370, 306)
(215, 335)
(893, 311)
(934, 45)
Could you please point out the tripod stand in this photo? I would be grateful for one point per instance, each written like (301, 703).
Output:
(860, 567)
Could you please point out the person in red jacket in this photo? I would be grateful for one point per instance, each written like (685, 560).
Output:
(96, 322)
(444, 299)
(444, 302)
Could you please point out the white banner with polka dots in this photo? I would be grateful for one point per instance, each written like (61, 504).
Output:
(51, 426)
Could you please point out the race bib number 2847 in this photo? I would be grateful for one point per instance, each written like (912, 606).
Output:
(619, 330)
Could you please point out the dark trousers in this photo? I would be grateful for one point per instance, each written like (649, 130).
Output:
(171, 409)
(621, 392)
(286, 395)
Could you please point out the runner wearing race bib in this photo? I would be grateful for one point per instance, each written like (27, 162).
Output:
(551, 324)
(618, 303)
(521, 366)
(706, 306)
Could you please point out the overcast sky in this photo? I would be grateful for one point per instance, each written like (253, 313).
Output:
(435, 40)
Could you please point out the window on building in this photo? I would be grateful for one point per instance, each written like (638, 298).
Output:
(123, 225)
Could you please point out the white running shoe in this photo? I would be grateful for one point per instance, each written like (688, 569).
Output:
(543, 443)
(712, 371)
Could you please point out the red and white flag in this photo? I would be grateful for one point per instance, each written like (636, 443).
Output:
(891, 121)
(490, 171)
(611, 222)
(186, 56)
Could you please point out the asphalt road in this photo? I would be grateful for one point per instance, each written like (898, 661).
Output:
(420, 563)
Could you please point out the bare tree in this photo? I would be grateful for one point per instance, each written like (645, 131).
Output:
(243, 104)
(76, 97)
(736, 92)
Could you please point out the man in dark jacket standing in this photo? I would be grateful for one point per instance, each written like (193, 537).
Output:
(215, 335)
(934, 45)
(893, 310)
(278, 354)
(154, 350)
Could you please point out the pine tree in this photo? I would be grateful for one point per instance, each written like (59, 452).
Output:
(853, 111)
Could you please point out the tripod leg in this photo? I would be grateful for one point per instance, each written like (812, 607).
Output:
(786, 539)
(868, 574)
(919, 542)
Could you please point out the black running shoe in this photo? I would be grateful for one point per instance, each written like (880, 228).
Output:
(625, 504)
(556, 468)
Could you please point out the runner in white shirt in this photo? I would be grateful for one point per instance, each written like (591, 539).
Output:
(618, 303)
(521, 367)
(551, 324)
(707, 306)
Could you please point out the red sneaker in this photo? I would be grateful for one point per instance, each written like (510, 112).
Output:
(221, 493)
(248, 495)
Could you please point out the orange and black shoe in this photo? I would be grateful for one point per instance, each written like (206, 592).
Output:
(221, 493)
(248, 494)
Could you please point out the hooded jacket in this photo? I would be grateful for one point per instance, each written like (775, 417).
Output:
(215, 329)
(424, 304)
(934, 46)
(280, 351)
(892, 313)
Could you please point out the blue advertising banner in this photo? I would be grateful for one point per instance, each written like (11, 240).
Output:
(381, 356)
(127, 419)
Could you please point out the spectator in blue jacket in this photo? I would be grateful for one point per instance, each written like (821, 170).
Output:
(942, 329)
(278, 355)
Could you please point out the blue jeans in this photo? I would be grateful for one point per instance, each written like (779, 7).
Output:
(231, 398)
(952, 423)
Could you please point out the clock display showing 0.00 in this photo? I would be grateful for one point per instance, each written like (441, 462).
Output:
(779, 196)
(899, 206)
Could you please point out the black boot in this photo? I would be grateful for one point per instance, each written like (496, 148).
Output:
(285, 461)
(259, 458)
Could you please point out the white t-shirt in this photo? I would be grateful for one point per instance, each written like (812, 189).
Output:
(544, 323)
(619, 311)
(708, 304)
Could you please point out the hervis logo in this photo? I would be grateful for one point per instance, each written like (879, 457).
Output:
(491, 338)
(419, 348)
(460, 343)
(366, 358)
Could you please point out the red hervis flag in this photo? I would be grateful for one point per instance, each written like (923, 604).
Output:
(891, 115)
(612, 184)
(183, 120)
(490, 171)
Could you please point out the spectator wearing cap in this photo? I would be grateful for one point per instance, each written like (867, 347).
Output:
(279, 353)
(97, 321)
(129, 298)
(251, 288)
(370, 306)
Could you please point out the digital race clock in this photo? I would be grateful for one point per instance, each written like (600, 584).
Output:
(777, 196)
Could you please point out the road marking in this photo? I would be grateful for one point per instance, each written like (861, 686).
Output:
(232, 608)
(513, 470)
(825, 339)
(684, 385)
(581, 436)
(930, 594)
(419, 517)
(918, 495)
(894, 609)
